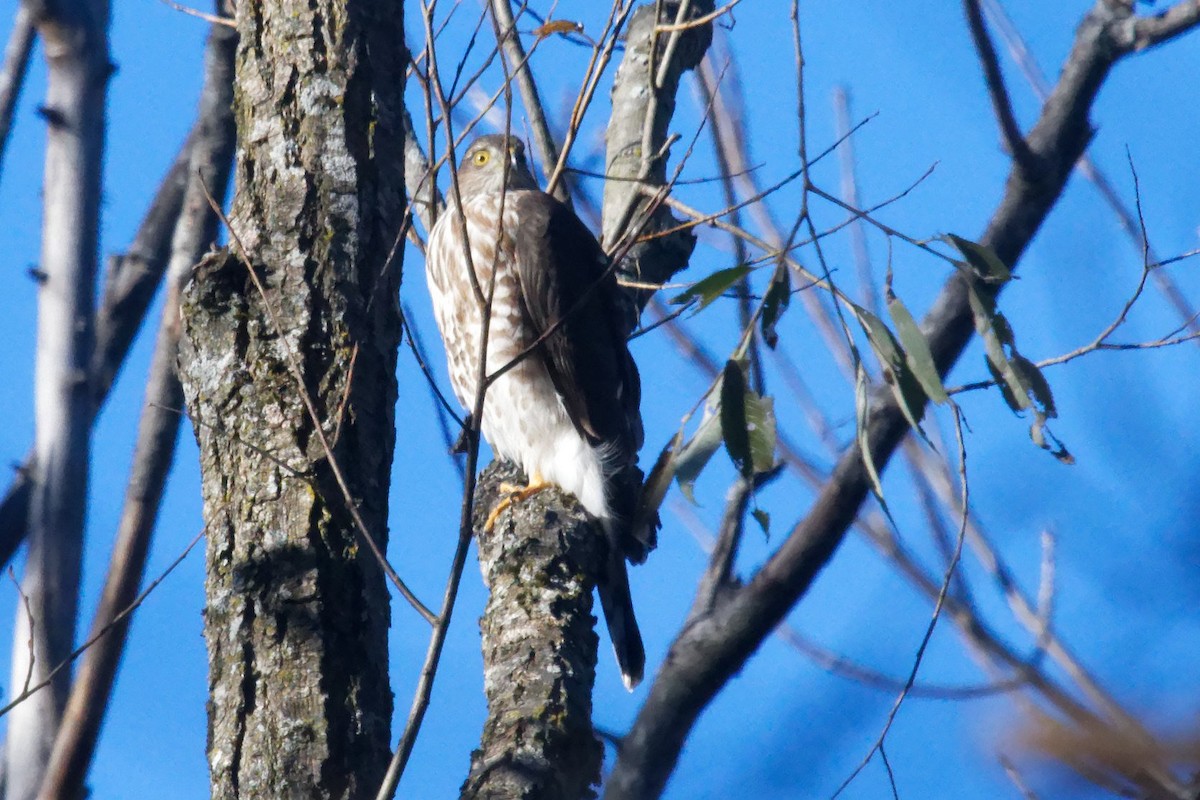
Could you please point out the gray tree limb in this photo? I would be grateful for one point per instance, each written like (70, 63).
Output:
(288, 358)
(706, 654)
(539, 648)
(74, 34)
(514, 53)
(195, 233)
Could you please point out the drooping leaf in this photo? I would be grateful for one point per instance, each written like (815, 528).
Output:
(712, 287)
(1043, 438)
(764, 521)
(660, 477)
(862, 417)
(1035, 384)
(905, 387)
(694, 456)
(982, 260)
(733, 418)
(996, 333)
(1006, 389)
(916, 350)
(1004, 333)
(779, 295)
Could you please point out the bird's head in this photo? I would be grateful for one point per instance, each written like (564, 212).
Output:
(494, 161)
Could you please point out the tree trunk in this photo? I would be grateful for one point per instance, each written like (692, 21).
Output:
(288, 357)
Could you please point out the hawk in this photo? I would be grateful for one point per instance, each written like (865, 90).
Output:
(567, 409)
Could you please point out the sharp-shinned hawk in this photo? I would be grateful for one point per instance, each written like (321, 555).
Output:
(567, 411)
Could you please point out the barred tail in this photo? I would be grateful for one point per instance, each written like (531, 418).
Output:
(617, 603)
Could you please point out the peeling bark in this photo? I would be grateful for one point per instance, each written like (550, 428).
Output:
(643, 103)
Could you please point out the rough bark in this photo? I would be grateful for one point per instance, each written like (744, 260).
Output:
(297, 609)
(74, 35)
(539, 648)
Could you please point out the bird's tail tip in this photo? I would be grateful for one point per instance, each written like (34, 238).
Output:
(631, 679)
(627, 644)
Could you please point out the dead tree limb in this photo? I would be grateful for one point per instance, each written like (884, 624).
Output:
(74, 35)
(154, 451)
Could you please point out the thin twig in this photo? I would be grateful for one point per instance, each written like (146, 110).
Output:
(214, 19)
(964, 499)
(117, 620)
(696, 22)
(997, 91)
(14, 70)
(510, 45)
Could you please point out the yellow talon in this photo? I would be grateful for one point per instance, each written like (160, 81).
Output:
(515, 494)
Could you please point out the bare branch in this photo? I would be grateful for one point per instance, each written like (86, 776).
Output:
(131, 283)
(708, 652)
(849, 190)
(1162, 27)
(643, 102)
(1086, 165)
(514, 52)
(74, 34)
(13, 70)
(32, 689)
(997, 91)
(539, 650)
(212, 157)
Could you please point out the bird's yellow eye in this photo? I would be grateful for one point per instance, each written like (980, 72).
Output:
(481, 158)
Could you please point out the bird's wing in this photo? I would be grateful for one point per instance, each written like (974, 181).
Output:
(567, 289)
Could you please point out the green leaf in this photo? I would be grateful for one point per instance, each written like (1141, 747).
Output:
(905, 388)
(764, 521)
(1006, 390)
(861, 418)
(712, 287)
(916, 350)
(996, 334)
(760, 426)
(779, 295)
(982, 260)
(733, 418)
(1035, 384)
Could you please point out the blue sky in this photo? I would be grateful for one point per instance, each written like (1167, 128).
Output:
(1122, 516)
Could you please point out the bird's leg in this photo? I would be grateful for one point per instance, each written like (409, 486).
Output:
(515, 494)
